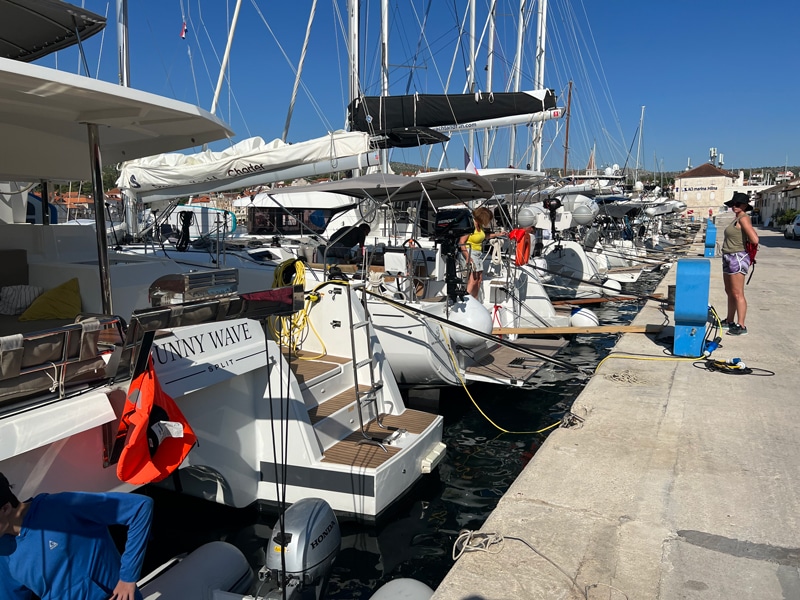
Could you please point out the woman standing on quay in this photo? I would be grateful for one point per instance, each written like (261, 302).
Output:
(736, 262)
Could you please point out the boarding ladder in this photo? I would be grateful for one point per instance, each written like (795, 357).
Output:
(369, 396)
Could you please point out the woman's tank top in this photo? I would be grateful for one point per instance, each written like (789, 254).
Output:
(734, 239)
(475, 240)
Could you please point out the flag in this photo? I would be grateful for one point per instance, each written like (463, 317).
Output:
(183, 31)
(471, 166)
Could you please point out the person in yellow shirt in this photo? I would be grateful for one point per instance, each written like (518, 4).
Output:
(471, 247)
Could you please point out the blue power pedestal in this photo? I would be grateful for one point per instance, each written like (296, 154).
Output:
(711, 239)
(691, 306)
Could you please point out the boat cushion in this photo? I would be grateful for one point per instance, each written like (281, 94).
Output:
(15, 299)
(62, 302)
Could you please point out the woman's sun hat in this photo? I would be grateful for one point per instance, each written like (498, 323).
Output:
(740, 198)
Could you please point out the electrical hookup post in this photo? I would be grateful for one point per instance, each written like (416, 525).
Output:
(692, 282)
(710, 241)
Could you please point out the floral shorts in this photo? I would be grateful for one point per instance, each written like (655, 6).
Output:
(736, 262)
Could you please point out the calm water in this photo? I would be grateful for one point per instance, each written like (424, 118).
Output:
(417, 539)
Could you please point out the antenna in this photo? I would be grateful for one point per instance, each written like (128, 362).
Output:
(721, 159)
(712, 155)
(689, 163)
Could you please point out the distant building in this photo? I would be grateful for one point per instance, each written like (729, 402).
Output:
(705, 187)
(778, 199)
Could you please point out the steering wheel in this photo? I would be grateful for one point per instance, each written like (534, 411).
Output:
(411, 243)
(368, 209)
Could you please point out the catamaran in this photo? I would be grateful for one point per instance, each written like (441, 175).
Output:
(276, 415)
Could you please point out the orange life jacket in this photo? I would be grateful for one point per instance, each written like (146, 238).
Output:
(145, 458)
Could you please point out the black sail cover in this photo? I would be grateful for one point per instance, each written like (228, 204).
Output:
(381, 115)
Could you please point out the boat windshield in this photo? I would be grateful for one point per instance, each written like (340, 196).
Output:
(287, 221)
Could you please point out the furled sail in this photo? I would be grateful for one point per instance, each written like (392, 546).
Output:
(398, 117)
(250, 162)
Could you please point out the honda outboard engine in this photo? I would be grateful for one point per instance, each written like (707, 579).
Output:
(306, 547)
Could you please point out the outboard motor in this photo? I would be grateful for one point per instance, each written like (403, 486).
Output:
(449, 226)
(552, 205)
(306, 547)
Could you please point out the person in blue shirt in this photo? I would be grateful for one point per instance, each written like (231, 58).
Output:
(59, 545)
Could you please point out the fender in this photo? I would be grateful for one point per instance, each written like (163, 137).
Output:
(147, 456)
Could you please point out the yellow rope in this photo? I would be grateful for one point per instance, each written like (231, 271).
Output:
(485, 416)
(291, 331)
(671, 358)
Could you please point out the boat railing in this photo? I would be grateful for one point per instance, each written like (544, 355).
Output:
(145, 323)
(48, 365)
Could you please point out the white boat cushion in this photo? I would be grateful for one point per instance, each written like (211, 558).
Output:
(15, 299)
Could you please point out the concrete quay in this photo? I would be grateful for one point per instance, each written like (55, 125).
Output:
(677, 482)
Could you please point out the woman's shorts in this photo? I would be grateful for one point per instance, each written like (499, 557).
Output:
(476, 261)
(736, 262)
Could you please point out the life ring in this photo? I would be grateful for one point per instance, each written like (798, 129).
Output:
(157, 436)
(523, 240)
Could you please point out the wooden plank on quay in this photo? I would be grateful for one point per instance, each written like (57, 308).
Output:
(603, 299)
(578, 330)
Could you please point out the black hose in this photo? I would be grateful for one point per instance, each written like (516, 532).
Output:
(186, 218)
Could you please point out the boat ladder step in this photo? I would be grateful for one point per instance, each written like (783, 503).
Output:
(363, 363)
(369, 394)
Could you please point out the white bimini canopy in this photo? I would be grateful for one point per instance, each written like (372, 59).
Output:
(44, 115)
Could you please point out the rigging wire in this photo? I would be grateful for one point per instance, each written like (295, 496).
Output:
(311, 98)
(191, 61)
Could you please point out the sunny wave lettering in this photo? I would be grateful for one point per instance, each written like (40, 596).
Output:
(193, 345)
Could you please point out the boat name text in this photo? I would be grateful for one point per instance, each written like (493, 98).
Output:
(197, 344)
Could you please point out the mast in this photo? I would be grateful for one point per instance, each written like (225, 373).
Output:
(226, 57)
(122, 44)
(385, 70)
(489, 72)
(517, 74)
(638, 148)
(538, 83)
(471, 67)
(299, 70)
(566, 134)
(353, 47)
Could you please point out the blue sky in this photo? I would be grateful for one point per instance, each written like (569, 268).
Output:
(709, 74)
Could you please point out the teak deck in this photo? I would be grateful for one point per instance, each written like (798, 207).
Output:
(350, 451)
(498, 363)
